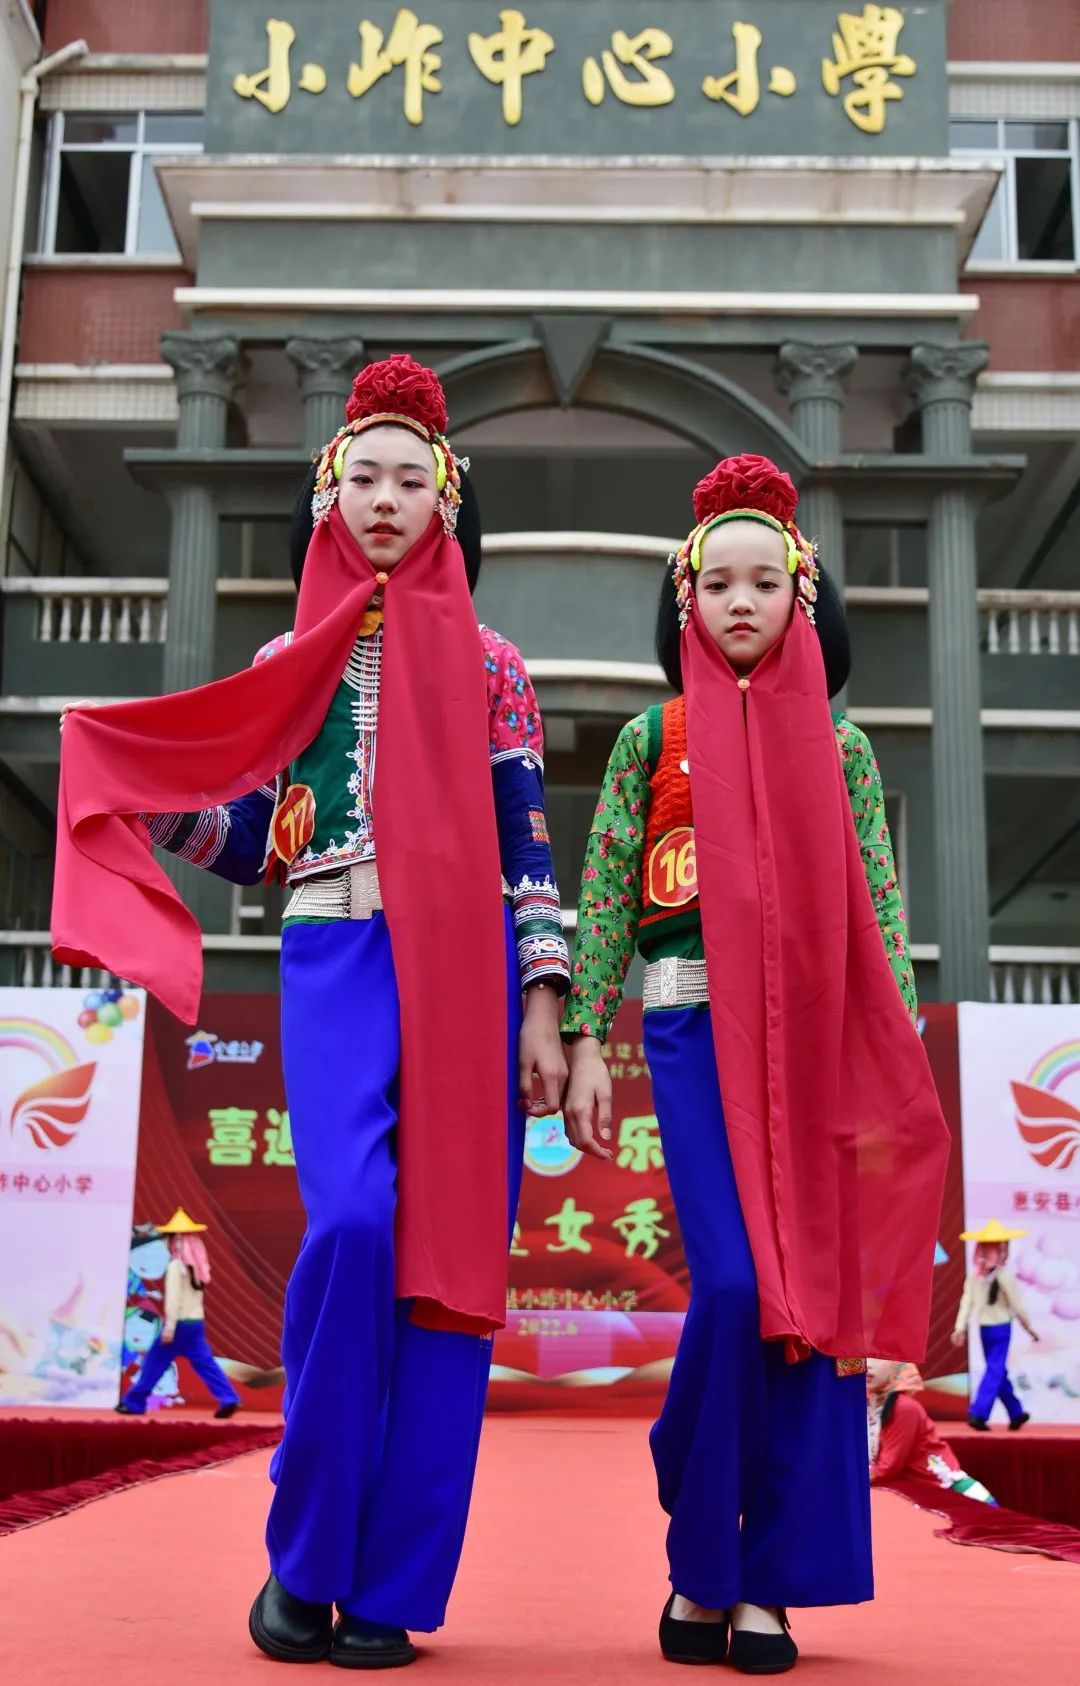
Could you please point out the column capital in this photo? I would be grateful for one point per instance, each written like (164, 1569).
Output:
(804, 370)
(204, 365)
(325, 365)
(937, 374)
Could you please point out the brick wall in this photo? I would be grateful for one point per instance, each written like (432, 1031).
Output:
(97, 316)
(1031, 322)
(1040, 31)
(128, 26)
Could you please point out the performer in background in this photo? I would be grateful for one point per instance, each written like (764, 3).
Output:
(740, 843)
(993, 1299)
(903, 1442)
(183, 1329)
(392, 749)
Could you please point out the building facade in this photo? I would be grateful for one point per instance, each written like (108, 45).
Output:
(846, 239)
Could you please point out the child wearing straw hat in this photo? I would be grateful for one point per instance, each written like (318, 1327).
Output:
(993, 1299)
(183, 1332)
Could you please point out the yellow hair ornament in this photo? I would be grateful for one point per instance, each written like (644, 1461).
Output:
(440, 466)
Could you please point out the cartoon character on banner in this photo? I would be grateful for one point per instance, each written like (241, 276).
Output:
(143, 1318)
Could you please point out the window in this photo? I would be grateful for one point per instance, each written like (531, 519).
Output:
(102, 192)
(1033, 215)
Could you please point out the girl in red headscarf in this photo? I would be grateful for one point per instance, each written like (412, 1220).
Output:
(740, 843)
(392, 750)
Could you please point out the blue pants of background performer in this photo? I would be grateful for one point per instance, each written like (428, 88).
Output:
(995, 1384)
(374, 1475)
(761, 1464)
(189, 1342)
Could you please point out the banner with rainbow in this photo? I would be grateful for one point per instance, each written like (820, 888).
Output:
(1020, 1092)
(70, 1081)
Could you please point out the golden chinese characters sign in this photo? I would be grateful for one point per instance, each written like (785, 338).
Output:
(577, 77)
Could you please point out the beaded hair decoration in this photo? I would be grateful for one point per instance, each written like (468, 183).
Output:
(399, 392)
(746, 488)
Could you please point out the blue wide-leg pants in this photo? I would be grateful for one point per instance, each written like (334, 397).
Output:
(382, 1419)
(761, 1464)
(189, 1342)
(995, 1384)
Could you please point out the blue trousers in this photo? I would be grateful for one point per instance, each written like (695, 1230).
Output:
(189, 1342)
(382, 1419)
(995, 1384)
(761, 1464)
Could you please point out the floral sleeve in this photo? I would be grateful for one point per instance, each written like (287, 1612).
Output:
(871, 827)
(610, 904)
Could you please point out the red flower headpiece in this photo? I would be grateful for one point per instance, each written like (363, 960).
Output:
(399, 386)
(746, 482)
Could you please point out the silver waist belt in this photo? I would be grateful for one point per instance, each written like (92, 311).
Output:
(350, 893)
(675, 983)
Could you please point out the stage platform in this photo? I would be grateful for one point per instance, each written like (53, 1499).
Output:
(1035, 1470)
(562, 1581)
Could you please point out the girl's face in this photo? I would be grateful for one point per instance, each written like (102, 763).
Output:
(990, 1256)
(878, 1374)
(387, 494)
(744, 591)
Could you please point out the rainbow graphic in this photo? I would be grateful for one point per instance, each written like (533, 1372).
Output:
(37, 1038)
(1055, 1067)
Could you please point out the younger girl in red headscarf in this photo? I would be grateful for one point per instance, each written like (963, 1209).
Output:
(740, 843)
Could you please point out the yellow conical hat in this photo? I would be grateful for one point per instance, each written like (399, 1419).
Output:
(180, 1224)
(993, 1231)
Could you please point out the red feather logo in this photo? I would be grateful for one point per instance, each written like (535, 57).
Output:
(1049, 1126)
(52, 1110)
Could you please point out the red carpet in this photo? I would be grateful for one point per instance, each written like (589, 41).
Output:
(1036, 1470)
(52, 1464)
(562, 1583)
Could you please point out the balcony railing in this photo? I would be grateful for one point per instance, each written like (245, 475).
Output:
(134, 611)
(1025, 976)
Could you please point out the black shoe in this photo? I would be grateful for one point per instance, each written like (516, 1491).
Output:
(1018, 1422)
(980, 1423)
(692, 1642)
(360, 1644)
(290, 1629)
(764, 1653)
(227, 1410)
(125, 1410)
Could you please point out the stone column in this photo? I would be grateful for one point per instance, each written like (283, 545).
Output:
(206, 371)
(812, 378)
(326, 369)
(941, 381)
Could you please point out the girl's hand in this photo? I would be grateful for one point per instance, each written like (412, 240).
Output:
(167, 1335)
(540, 1053)
(958, 1337)
(587, 1112)
(67, 708)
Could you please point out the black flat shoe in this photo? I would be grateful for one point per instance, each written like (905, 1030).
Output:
(692, 1642)
(227, 1410)
(290, 1629)
(360, 1644)
(980, 1423)
(123, 1410)
(764, 1653)
(1018, 1422)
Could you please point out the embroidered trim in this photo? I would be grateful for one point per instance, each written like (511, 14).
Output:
(528, 757)
(538, 823)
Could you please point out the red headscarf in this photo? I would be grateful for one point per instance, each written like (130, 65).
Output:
(439, 872)
(837, 1138)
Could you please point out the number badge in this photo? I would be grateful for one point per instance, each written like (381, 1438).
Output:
(294, 822)
(673, 869)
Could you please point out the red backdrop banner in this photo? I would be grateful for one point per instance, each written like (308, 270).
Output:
(598, 1283)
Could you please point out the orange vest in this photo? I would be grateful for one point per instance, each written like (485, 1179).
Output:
(669, 868)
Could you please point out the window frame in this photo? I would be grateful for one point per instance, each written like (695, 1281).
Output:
(137, 150)
(1006, 156)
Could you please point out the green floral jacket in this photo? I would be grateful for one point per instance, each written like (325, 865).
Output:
(611, 883)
